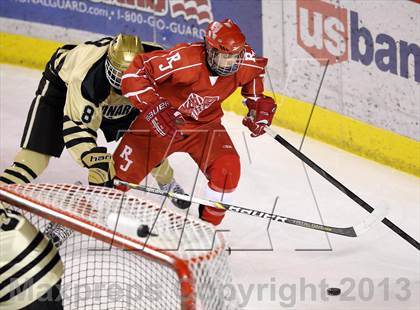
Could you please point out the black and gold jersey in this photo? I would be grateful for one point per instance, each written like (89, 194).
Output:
(90, 102)
(29, 263)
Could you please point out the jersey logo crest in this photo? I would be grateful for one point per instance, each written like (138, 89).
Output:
(195, 104)
(116, 111)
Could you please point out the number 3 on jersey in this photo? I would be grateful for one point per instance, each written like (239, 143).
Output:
(87, 114)
(170, 60)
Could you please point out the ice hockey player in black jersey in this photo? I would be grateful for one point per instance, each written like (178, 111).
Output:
(78, 94)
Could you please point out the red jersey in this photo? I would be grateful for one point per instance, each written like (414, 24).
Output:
(181, 75)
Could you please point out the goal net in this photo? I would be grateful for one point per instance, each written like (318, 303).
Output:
(181, 264)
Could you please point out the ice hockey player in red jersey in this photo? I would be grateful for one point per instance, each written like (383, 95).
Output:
(180, 91)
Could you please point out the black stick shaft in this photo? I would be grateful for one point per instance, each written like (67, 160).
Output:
(341, 187)
(343, 231)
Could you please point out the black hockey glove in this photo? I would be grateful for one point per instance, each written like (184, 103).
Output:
(100, 165)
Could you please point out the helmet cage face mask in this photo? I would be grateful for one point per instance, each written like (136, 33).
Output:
(121, 52)
(225, 47)
(223, 64)
(113, 74)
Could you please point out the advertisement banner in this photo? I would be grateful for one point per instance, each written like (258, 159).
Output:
(166, 22)
(372, 49)
(327, 31)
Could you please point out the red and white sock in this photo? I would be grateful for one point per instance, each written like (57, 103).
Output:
(212, 214)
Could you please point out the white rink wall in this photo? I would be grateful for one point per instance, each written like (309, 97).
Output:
(370, 82)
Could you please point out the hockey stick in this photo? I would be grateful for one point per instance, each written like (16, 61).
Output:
(340, 186)
(352, 231)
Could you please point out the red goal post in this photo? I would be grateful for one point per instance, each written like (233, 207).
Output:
(181, 265)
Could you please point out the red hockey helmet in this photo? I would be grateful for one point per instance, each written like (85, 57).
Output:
(225, 46)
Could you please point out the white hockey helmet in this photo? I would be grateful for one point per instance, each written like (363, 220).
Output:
(121, 52)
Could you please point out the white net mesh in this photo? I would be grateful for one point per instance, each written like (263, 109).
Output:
(99, 275)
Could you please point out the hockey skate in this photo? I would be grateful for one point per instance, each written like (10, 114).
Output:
(57, 233)
(173, 186)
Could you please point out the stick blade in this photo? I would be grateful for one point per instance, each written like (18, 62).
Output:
(372, 220)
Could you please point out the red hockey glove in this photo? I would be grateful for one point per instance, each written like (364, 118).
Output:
(163, 120)
(260, 114)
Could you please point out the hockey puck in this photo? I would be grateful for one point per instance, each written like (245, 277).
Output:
(333, 291)
(143, 231)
